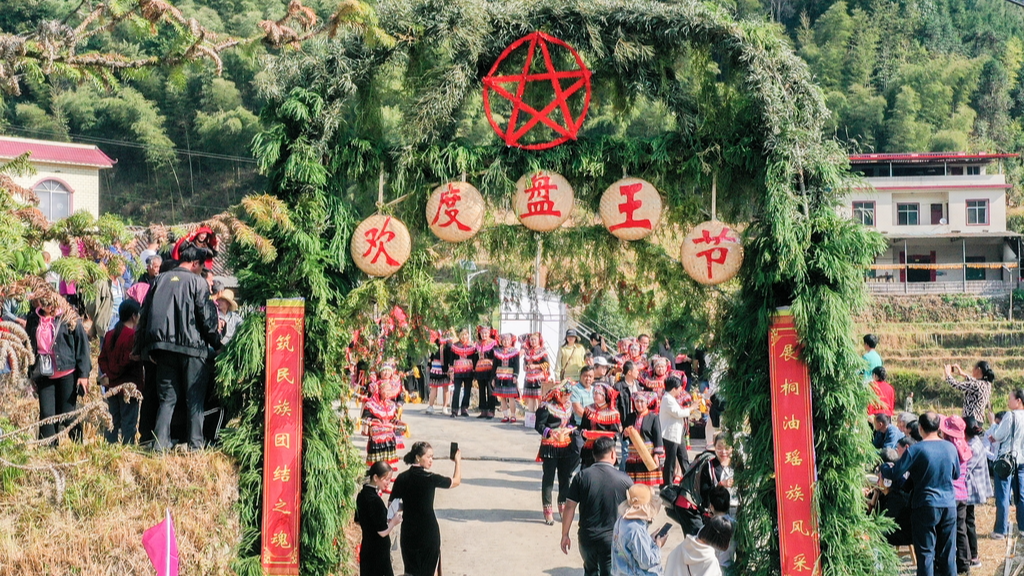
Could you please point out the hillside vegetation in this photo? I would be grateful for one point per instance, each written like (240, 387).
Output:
(899, 75)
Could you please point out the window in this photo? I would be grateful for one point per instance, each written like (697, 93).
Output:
(977, 212)
(908, 214)
(975, 273)
(864, 212)
(54, 199)
(973, 170)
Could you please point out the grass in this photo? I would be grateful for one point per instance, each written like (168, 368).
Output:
(95, 525)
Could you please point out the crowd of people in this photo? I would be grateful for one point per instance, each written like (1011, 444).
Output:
(609, 421)
(936, 469)
(158, 331)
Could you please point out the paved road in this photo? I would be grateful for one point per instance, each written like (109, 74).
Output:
(492, 524)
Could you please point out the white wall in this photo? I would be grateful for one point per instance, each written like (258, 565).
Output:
(83, 181)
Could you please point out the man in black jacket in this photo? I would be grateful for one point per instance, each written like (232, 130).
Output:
(177, 328)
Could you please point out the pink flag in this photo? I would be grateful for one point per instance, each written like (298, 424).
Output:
(161, 544)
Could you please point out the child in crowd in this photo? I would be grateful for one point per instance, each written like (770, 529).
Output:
(720, 504)
(118, 367)
(696, 556)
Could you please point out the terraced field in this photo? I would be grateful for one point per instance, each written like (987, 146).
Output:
(914, 354)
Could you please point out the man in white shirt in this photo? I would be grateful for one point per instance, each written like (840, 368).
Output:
(673, 427)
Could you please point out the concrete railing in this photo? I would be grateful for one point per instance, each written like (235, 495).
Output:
(983, 287)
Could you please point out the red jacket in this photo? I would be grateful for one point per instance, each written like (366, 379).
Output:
(115, 361)
(886, 399)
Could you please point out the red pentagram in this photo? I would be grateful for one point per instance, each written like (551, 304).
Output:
(570, 125)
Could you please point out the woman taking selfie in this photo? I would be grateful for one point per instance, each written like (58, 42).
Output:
(421, 538)
(372, 516)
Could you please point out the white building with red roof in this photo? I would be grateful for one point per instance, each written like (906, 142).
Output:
(67, 177)
(944, 215)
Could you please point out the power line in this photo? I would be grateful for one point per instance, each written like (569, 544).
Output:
(127, 144)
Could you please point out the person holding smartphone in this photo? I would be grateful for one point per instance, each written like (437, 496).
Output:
(635, 552)
(372, 517)
(421, 538)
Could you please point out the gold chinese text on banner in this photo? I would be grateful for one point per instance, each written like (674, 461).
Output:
(282, 446)
(795, 475)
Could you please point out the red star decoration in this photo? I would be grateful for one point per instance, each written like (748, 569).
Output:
(569, 125)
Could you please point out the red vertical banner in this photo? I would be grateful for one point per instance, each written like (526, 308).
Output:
(282, 445)
(795, 475)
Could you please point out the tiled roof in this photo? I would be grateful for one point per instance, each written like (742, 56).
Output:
(54, 152)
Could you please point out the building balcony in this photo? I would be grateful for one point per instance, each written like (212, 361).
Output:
(937, 183)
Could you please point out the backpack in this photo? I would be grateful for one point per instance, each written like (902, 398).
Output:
(686, 495)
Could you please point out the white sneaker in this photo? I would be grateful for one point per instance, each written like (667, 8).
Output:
(430, 409)
(445, 411)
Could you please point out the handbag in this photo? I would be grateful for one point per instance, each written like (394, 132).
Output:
(44, 366)
(1006, 464)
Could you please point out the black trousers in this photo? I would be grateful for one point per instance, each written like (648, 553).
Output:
(179, 378)
(485, 383)
(563, 467)
(972, 531)
(963, 546)
(57, 396)
(465, 386)
(150, 404)
(673, 453)
(934, 540)
(597, 557)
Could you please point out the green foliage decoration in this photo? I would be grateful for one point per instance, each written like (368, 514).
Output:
(737, 102)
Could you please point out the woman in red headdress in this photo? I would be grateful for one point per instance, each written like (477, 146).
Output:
(536, 363)
(506, 375)
(439, 368)
(559, 452)
(647, 423)
(202, 237)
(462, 360)
(484, 371)
(600, 419)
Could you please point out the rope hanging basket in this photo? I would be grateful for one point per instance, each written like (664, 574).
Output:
(380, 245)
(712, 252)
(631, 208)
(543, 200)
(455, 211)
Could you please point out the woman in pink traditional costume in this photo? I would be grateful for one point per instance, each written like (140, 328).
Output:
(506, 375)
(559, 452)
(536, 364)
(647, 423)
(484, 371)
(600, 419)
(440, 379)
(462, 358)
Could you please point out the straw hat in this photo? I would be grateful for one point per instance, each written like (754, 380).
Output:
(228, 296)
(640, 503)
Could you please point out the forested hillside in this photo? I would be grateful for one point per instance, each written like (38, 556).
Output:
(903, 75)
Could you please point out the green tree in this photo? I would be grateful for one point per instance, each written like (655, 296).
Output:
(992, 102)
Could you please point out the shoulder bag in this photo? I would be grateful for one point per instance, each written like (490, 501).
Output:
(1005, 465)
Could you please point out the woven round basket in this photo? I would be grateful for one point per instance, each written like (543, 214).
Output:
(380, 245)
(455, 211)
(543, 200)
(631, 208)
(712, 252)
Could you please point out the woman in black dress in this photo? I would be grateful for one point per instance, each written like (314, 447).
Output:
(421, 538)
(372, 516)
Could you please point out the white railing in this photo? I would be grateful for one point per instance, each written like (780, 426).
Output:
(983, 287)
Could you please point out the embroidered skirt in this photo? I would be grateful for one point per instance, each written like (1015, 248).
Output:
(638, 471)
(506, 389)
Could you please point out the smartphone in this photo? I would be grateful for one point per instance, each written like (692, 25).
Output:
(455, 448)
(664, 530)
(80, 390)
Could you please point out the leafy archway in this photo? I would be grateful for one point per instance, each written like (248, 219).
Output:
(400, 96)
